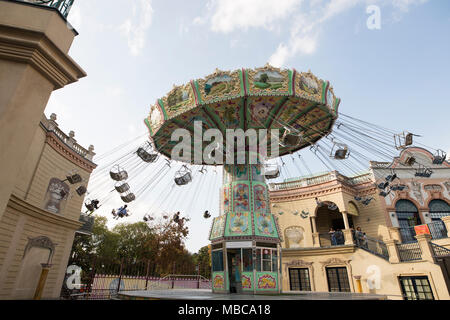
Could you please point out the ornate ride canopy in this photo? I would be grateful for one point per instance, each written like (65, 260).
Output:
(262, 98)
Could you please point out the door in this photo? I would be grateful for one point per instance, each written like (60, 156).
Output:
(234, 270)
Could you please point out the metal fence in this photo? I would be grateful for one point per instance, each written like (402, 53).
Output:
(63, 6)
(408, 235)
(374, 246)
(409, 251)
(104, 279)
(439, 251)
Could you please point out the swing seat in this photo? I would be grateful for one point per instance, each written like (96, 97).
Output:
(89, 206)
(366, 201)
(391, 177)
(272, 173)
(439, 157)
(121, 188)
(409, 161)
(332, 206)
(424, 172)
(75, 178)
(183, 180)
(290, 140)
(383, 185)
(119, 176)
(81, 190)
(206, 215)
(341, 154)
(384, 193)
(146, 156)
(128, 198)
(408, 139)
(358, 198)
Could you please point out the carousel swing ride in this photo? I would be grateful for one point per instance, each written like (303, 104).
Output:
(245, 237)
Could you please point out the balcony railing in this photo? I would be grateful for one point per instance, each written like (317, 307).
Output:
(63, 6)
(440, 251)
(409, 251)
(331, 239)
(318, 179)
(437, 229)
(374, 246)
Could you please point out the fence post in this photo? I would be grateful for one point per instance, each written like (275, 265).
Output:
(446, 221)
(92, 276)
(425, 246)
(146, 276)
(120, 276)
(391, 245)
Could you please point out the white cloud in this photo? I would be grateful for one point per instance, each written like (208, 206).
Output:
(75, 16)
(135, 28)
(242, 14)
(305, 29)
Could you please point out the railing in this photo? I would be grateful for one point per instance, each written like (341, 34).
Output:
(437, 229)
(374, 246)
(409, 251)
(331, 239)
(408, 235)
(62, 6)
(318, 179)
(440, 251)
(52, 126)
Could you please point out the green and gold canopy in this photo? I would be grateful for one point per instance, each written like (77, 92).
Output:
(262, 98)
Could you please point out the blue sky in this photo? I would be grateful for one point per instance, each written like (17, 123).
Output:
(134, 51)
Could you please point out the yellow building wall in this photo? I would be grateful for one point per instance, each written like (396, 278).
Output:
(372, 269)
(42, 163)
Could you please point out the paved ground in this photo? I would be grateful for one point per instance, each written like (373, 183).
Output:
(204, 294)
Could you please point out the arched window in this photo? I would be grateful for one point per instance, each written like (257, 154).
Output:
(407, 214)
(438, 209)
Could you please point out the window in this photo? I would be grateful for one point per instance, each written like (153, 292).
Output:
(416, 288)
(337, 279)
(407, 214)
(266, 259)
(299, 279)
(217, 261)
(408, 217)
(439, 209)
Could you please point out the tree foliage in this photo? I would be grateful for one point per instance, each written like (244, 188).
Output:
(159, 248)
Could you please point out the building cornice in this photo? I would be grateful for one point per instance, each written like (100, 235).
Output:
(298, 252)
(53, 141)
(38, 213)
(326, 188)
(37, 50)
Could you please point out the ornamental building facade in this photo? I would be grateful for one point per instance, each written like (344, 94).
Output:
(349, 234)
